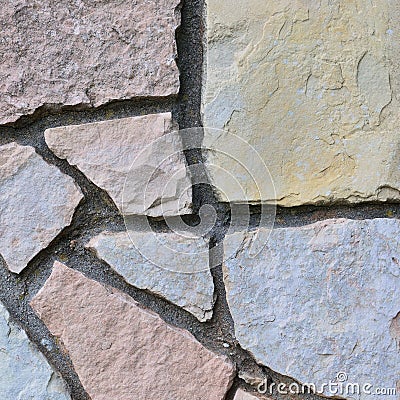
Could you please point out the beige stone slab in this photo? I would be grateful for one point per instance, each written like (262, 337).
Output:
(37, 201)
(83, 52)
(314, 87)
(138, 160)
(120, 350)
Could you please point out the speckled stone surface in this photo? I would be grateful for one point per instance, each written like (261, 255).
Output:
(24, 372)
(314, 88)
(122, 351)
(85, 52)
(193, 291)
(132, 159)
(319, 300)
(36, 202)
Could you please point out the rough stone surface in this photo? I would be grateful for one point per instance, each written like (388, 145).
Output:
(24, 372)
(321, 299)
(313, 86)
(36, 202)
(121, 351)
(119, 156)
(85, 52)
(242, 395)
(193, 291)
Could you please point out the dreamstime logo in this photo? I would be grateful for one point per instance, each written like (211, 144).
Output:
(237, 175)
(340, 386)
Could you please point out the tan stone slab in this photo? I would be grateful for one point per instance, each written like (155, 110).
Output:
(314, 87)
(119, 156)
(122, 351)
(68, 53)
(37, 201)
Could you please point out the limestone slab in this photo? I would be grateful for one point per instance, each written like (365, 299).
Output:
(320, 300)
(193, 291)
(137, 160)
(314, 87)
(120, 350)
(36, 202)
(24, 372)
(85, 53)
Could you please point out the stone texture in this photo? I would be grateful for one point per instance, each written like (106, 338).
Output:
(122, 351)
(127, 157)
(85, 52)
(193, 291)
(36, 202)
(321, 299)
(24, 372)
(242, 395)
(314, 87)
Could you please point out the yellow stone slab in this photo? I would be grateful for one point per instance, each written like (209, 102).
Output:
(314, 87)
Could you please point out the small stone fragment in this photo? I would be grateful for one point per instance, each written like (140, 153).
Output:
(130, 158)
(313, 87)
(86, 53)
(193, 291)
(24, 372)
(120, 350)
(36, 202)
(242, 395)
(252, 378)
(319, 302)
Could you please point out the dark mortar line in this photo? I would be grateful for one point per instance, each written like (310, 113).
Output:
(83, 113)
(190, 61)
(305, 215)
(189, 38)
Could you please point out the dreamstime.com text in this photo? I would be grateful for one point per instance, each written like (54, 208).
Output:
(337, 387)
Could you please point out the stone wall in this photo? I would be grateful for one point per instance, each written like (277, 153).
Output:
(145, 257)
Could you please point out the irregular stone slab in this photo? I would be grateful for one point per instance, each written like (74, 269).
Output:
(122, 351)
(85, 53)
(36, 202)
(120, 157)
(24, 372)
(320, 300)
(242, 395)
(314, 88)
(193, 291)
